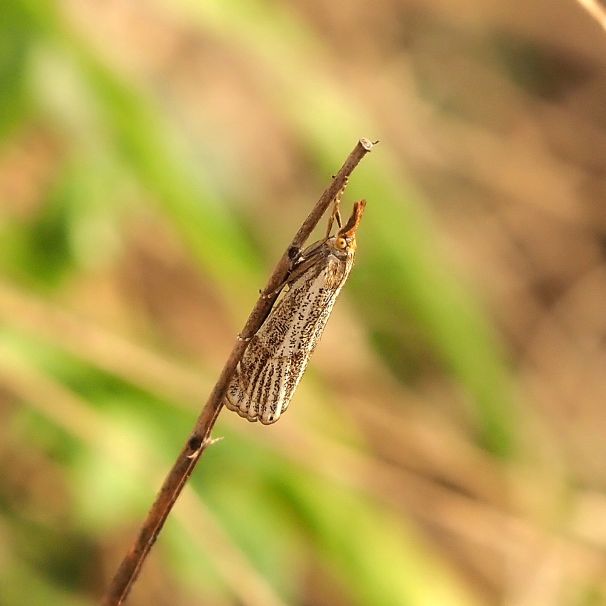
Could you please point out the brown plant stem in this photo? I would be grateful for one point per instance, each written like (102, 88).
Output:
(199, 438)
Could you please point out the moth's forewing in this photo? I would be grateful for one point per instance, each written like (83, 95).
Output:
(276, 357)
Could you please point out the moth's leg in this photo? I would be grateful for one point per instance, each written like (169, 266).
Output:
(335, 214)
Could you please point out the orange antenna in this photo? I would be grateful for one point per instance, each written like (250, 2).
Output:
(350, 228)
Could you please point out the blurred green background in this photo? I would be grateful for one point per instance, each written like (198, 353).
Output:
(446, 446)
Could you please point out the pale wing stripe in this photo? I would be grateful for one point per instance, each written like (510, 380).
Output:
(264, 395)
(234, 391)
(291, 389)
(284, 369)
(269, 403)
(255, 369)
(237, 398)
(257, 395)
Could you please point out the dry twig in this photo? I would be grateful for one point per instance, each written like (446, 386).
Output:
(200, 438)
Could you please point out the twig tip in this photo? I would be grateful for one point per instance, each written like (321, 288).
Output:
(367, 144)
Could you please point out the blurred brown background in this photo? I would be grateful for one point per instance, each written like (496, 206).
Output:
(447, 443)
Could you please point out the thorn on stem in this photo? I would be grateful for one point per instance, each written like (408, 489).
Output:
(211, 441)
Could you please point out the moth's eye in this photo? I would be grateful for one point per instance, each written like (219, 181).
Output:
(341, 243)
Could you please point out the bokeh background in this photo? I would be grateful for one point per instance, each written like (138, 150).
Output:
(448, 443)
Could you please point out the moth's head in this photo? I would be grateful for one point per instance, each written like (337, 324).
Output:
(345, 240)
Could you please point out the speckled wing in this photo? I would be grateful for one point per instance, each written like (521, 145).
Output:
(276, 357)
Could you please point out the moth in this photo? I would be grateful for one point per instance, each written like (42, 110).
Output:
(277, 355)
